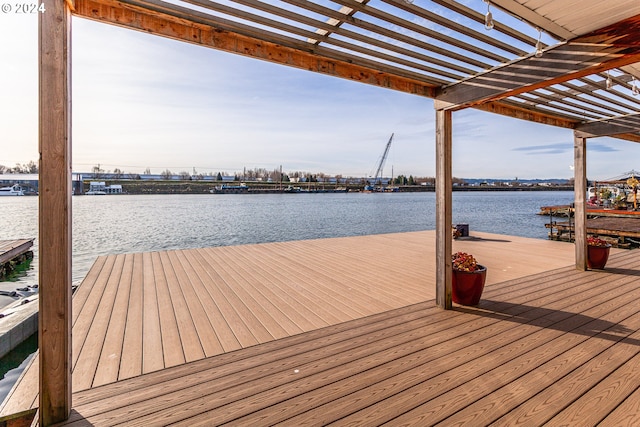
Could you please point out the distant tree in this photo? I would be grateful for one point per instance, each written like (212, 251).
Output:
(219, 177)
(117, 173)
(166, 174)
(97, 171)
(147, 171)
(185, 176)
(31, 167)
(458, 181)
(411, 181)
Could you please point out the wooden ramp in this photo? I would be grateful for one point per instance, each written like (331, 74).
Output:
(141, 315)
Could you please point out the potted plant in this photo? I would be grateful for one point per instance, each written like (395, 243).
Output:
(597, 252)
(467, 280)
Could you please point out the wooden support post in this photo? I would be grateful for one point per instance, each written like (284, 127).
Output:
(444, 242)
(55, 212)
(580, 190)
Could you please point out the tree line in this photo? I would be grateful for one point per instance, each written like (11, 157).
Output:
(31, 167)
(255, 174)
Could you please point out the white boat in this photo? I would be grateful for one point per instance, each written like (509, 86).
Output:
(14, 190)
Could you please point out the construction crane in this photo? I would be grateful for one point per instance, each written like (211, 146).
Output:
(377, 179)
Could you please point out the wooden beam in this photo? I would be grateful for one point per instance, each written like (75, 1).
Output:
(610, 47)
(613, 126)
(520, 112)
(633, 137)
(55, 212)
(206, 30)
(346, 11)
(444, 200)
(580, 194)
(509, 109)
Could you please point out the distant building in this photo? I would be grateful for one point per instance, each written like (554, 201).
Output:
(30, 181)
(99, 187)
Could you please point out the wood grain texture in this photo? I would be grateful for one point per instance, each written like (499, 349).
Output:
(54, 329)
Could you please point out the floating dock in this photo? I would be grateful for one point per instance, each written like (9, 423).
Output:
(346, 330)
(13, 252)
(18, 310)
(621, 228)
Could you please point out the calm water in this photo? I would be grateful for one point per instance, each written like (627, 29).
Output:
(118, 224)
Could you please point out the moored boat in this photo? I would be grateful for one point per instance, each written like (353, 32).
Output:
(230, 189)
(14, 190)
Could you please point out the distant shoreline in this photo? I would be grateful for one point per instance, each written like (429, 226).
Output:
(199, 187)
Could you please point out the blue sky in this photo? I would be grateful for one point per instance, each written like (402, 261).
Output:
(147, 102)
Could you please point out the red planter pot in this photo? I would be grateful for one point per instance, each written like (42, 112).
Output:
(467, 286)
(597, 256)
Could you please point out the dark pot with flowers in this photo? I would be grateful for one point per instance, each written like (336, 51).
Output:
(467, 280)
(597, 252)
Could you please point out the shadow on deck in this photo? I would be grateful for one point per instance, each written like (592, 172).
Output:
(558, 346)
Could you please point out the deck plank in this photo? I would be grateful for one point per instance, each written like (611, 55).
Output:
(225, 308)
(111, 354)
(216, 306)
(418, 361)
(90, 349)
(190, 342)
(191, 286)
(131, 358)
(262, 324)
(411, 365)
(346, 331)
(151, 338)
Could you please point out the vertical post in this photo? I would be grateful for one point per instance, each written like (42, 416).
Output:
(55, 212)
(580, 194)
(444, 201)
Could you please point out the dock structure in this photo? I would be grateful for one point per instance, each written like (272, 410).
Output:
(12, 252)
(621, 232)
(346, 330)
(621, 228)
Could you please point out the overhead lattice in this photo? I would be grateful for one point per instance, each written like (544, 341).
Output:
(583, 78)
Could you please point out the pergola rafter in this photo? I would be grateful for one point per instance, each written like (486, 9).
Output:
(610, 127)
(598, 51)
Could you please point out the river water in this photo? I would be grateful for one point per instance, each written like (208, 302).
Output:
(139, 223)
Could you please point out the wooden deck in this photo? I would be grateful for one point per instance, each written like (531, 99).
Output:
(346, 331)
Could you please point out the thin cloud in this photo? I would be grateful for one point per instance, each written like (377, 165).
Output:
(558, 148)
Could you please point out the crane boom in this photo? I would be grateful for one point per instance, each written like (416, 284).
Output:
(383, 159)
(377, 179)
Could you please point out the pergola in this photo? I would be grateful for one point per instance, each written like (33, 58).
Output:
(451, 51)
